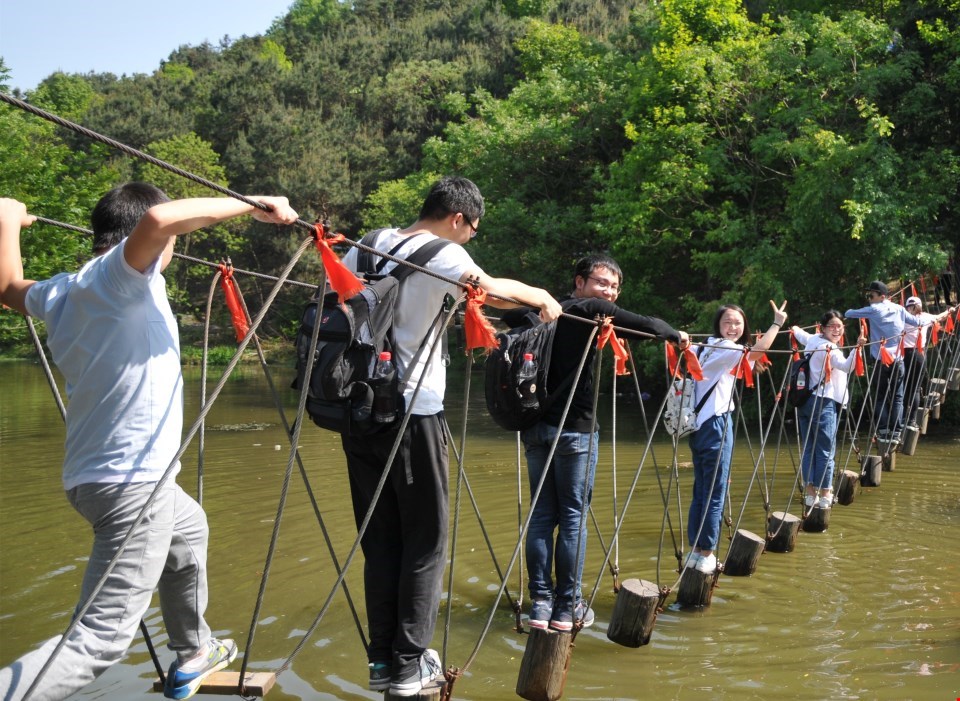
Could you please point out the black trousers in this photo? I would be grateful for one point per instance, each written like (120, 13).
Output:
(914, 365)
(405, 544)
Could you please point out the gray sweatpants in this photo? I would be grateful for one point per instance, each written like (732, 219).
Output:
(168, 551)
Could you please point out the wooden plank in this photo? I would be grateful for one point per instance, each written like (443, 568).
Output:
(225, 683)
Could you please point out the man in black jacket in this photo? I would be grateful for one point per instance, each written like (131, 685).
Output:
(568, 486)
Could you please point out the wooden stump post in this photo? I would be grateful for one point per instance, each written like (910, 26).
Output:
(923, 418)
(935, 408)
(847, 488)
(782, 529)
(744, 553)
(696, 587)
(911, 434)
(888, 453)
(543, 670)
(870, 469)
(634, 613)
(817, 520)
(953, 379)
(938, 386)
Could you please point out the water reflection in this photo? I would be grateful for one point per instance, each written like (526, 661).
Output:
(865, 610)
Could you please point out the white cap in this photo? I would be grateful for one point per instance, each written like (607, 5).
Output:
(913, 300)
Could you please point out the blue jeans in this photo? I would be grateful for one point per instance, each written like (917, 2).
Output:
(819, 441)
(565, 496)
(712, 449)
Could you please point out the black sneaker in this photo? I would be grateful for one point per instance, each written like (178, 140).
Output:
(380, 674)
(429, 670)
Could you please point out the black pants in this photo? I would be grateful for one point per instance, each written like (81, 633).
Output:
(406, 542)
(914, 365)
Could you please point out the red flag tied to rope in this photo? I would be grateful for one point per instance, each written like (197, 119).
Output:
(764, 361)
(885, 356)
(793, 345)
(858, 363)
(343, 282)
(743, 369)
(619, 350)
(227, 283)
(693, 363)
(479, 332)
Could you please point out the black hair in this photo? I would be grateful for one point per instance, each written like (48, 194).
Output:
(586, 265)
(450, 195)
(829, 316)
(117, 212)
(745, 336)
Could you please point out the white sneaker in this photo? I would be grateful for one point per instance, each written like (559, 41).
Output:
(707, 564)
(825, 502)
(691, 559)
(809, 500)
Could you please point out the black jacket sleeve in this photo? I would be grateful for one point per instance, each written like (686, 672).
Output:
(591, 307)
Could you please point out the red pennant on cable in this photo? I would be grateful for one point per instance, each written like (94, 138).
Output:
(341, 279)
(913, 289)
(743, 369)
(240, 325)
(672, 360)
(763, 361)
(864, 331)
(949, 327)
(693, 364)
(885, 356)
(479, 332)
(923, 284)
(827, 369)
(903, 337)
(793, 344)
(619, 351)
(935, 334)
(935, 280)
(858, 363)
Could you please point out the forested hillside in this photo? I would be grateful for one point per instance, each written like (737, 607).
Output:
(720, 151)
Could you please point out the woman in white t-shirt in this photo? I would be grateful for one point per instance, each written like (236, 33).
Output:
(818, 416)
(712, 443)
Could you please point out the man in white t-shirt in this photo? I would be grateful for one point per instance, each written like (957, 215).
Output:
(405, 542)
(112, 334)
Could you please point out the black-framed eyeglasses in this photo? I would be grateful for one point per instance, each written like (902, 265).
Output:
(606, 285)
(473, 228)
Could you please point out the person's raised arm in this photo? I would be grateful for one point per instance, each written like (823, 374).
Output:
(13, 288)
(779, 317)
(155, 232)
(549, 308)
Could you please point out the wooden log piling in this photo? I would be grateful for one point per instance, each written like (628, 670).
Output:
(696, 587)
(817, 520)
(847, 488)
(871, 467)
(911, 434)
(634, 613)
(543, 670)
(744, 554)
(782, 529)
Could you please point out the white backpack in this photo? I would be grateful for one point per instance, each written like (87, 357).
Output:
(680, 412)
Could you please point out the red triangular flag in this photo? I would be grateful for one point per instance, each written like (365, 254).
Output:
(949, 327)
(935, 335)
(240, 325)
(341, 279)
(826, 369)
(885, 356)
(793, 344)
(693, 364)
(477, 328)
(923, 284)
(672, 360)
(913, 289)
(858, 363)
(744, 370)
(619, 351)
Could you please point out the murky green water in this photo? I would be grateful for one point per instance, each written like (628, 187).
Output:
(870, 609)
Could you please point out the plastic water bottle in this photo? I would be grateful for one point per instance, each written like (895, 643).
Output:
(801, 379)
(384, 389)
(527, 380)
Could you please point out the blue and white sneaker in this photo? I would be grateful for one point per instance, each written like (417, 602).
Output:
(540, 612)
(182, 683)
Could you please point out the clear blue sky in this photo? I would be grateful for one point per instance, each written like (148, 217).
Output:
(40, 37)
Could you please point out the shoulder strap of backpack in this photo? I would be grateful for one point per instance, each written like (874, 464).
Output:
(365, 262)
(419, 257)
(704, 398)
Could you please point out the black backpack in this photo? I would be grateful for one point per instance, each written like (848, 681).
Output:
(502, 386)
(799, 390)
(351, 338)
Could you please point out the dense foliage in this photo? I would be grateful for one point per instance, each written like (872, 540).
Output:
(721, 151)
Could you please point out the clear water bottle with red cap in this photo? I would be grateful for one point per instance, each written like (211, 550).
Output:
(527, 382)
(384, 382)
